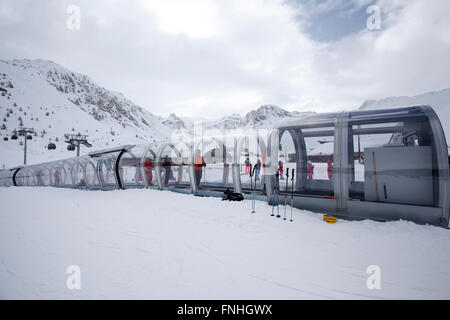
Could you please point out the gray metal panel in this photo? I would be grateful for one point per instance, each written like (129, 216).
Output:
(341, 165)
(399, 175)
(388, 212)
(441, 148)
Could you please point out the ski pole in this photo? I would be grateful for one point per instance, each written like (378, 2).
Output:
(278, 195)
(292, 193)
(286, 193)
(273, 192)
(251, 183)
(252, 191)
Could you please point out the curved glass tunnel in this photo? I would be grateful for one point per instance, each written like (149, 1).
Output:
(369, 164)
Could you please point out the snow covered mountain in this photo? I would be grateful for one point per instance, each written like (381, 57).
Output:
(265, 117)
(174, 123)
(55, 101)
(438, 100)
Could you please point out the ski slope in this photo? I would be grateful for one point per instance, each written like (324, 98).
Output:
(149, 244)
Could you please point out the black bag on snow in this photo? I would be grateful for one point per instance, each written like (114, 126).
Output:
(232, 196)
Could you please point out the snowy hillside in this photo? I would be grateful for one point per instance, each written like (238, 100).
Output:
(55, 101)
(438, 100)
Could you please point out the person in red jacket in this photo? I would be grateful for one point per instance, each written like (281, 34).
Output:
(330, 170)
(199, 163)
(148, 171)
(310, 170)
(281, 169)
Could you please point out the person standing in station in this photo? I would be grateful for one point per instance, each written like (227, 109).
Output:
(167, 165)
(258, 169)
(199, 163)
(310, 170)
(281, 169)
(148, 171)
(330, 170)
(56, 176)
(247, 165)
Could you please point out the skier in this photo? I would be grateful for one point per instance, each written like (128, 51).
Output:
(280, 164)
(247, 165)
(148, 171)
(258, 169)
(330, 170)
(199, 163)
(310, 170)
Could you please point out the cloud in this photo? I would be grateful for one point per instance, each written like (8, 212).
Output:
(213, 58)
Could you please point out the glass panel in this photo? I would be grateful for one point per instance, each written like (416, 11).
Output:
(252, 153)
(91, 174)
(106, 173)
(175, 166)
(149, 167)
(130, 168)
(287, 159)
(216, 169)
(393, 161)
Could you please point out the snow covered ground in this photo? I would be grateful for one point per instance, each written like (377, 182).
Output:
(157, 244)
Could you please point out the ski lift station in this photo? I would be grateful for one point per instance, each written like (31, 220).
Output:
(369, 164)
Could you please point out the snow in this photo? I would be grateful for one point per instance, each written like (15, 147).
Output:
(158, 244)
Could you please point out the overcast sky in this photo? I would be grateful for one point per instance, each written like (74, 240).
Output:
(211, 58)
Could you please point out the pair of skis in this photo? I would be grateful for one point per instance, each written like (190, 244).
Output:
(276, 193)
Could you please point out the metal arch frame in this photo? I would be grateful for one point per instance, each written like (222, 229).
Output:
(141, 164)
(16, 171)
(340, 133)
(72, 172)
(53, 167)
(37, 177)
(80, 163)
(62, 170)
(222, 145)
(73, 163)
(180, 172)
(69, 173)
(271, 153)
(86, 162)
(101, 177)
(29, 174)
(148, 149)
(50, 177)
(100, 173)
(440, 146)
(236, 158)
(117, 169)
(341, 178)
(301, 157)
